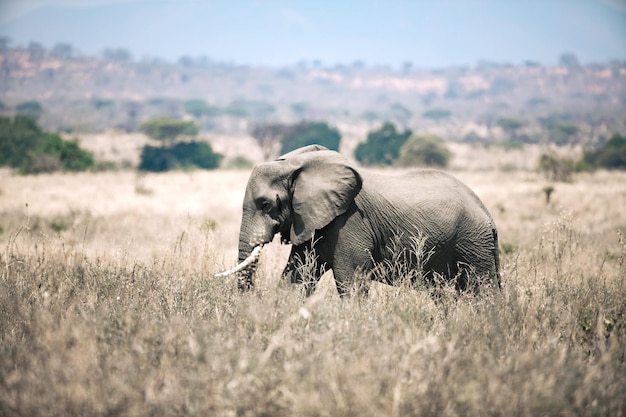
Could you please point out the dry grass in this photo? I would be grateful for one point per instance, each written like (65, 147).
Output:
(108, 307)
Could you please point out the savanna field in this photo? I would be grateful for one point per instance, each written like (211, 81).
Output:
(108, 306)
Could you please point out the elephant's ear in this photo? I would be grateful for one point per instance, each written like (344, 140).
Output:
(323, 188)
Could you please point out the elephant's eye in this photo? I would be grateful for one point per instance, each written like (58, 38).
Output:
(266, 206)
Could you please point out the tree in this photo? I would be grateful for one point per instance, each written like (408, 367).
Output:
(32, 109)
(168, 129)
(569, 60)
(4, 43)
(186, 61)
(556, 168)
(310, 133)
(18, 137)
(250, 108)
(68, 153)
(501, 85)
(102, 103)
(370, 116)
(269, 137)
(424, 150)
(278, 138)
(62, 51)
(199, 108)
(25, 146)
(36, 51)
(437, 114)
(175, 153)
(562, 133)
(117, 55)
(195, 107)
(181, 155)
(509, 125)
(382, 146)
(612, 155)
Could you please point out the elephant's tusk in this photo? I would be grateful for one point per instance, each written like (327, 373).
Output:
(251, 258)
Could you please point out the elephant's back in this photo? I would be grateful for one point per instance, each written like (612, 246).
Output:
(434, 194)
(417, 186)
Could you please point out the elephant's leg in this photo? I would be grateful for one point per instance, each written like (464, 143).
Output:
(352, 275)
(304, 267)
(352, 266)
(478, 260)
(495, 270)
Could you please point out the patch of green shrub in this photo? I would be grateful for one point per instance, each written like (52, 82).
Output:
(181, 155)
(25, 146)
(250, 108)
(424, 150)
(437, 114)
(41, 163)
(18, 137)
(199, 108)
(562, 133)
(612, 155)
(167, 128)
(31, 109)
(72, 157)
(382, 146)
(310, 133)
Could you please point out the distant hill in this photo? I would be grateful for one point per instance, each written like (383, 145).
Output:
(570, 103)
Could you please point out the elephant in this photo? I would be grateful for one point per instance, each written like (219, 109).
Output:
(350, 219)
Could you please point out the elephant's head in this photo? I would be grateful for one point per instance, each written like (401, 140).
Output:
(297, 194)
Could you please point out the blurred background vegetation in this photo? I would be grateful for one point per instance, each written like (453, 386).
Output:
(377, 115)
(24, 146)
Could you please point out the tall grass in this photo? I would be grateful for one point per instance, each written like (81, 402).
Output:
(108, 333)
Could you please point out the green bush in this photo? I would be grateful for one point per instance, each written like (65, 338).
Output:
(41, 163)
(562, 133)
(199, 108)
(32, 109)
(250, 108)
(437, 114)
(167, 128)
(382, 146)
(310, 133)
(181, 155)
(25, 146)
(509, 124)
(424, 150)
(612, 155)
(18, 137)
(69, 152)
(102, 103)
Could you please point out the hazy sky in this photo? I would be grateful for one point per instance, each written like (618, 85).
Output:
(429, 33)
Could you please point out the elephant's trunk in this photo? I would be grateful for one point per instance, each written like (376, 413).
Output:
(248, 260)
(252, 236)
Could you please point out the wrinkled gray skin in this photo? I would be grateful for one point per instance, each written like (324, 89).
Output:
(315, 199)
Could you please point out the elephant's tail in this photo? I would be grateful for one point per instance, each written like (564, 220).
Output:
(496, 256)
